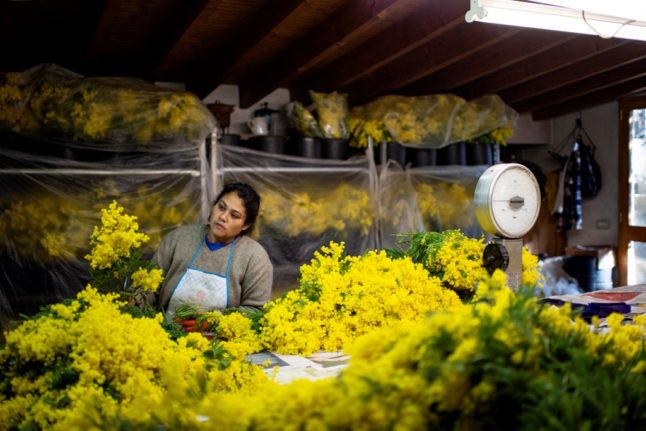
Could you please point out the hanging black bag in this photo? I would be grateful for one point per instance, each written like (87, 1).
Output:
(590, 171)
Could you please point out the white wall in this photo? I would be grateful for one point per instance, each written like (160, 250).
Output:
(528, 131)
(228, 94)
(600, 214)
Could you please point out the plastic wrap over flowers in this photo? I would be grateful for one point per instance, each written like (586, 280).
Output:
(50, 200)
(433, 199)
(437, 120)
(305, 203)
(51, 101)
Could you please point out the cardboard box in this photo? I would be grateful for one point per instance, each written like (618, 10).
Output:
(605, 254)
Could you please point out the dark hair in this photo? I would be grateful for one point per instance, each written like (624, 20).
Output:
(251, 201)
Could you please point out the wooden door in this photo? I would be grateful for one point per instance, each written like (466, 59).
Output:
(631, 250)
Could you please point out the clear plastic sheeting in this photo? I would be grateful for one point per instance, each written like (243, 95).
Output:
(432, 198)
(51, 195)
(49, 205)
(305, 204)
(69, 146)
(398, 208)
(435, 121)
(53, 102)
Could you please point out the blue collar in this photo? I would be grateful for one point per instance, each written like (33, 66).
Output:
(214, 245)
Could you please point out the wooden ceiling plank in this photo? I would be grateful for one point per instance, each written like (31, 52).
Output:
(348, 20)
(574, 72)
(429, 22)
(260, 27)
(570, 52)
(169, 35)
(509, 52)
(448, 49)
(109, 16)
(585, 86)
(605, 95)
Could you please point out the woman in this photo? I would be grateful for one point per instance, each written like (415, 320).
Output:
(217, 265)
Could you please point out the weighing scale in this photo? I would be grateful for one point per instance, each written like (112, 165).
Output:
(507, 202)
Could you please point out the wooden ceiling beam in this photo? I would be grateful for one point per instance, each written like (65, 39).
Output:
(431, 20)
(169, 34)
(109, 16)
(590, 66)
(463, 42)
(134, 48)
(539, 64)
(522, 46)
(349, 20)
(260, 27)
(605, 95)
(581, 87)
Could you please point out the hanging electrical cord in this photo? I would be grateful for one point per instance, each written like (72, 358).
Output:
(601, 35)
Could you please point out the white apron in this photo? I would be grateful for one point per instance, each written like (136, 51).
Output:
(203, 289)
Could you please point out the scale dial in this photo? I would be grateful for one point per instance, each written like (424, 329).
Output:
(507, 200)
(495, 256)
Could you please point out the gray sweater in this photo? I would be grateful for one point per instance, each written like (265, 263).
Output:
(250, 275)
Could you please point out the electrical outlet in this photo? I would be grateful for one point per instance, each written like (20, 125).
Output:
(603, 223)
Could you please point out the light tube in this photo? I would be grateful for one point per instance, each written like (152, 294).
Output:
(628, 9)
(531, 15)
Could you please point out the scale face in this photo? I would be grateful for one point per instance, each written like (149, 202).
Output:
(507, 200)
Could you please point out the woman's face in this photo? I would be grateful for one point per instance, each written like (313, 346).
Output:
(227, 218)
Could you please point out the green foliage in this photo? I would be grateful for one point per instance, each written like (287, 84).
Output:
(218, 356)
(580, 394)
(118, 279)
(419, 245)
(174, 330)
(563, 386)
(312, 291)
(186, 312)
(422, 247)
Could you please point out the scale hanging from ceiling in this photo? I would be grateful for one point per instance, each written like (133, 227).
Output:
(507, 202)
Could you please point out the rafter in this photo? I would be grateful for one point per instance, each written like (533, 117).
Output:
(575, 72)
(428, 22)
(168, 35)
(580, 48)
(590, 84)
(505, 54)
(261, 27)
(351, 19)
(608, 94)
(441, 52)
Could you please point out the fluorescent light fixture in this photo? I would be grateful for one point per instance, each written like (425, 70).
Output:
(629, 9)
(524, 14)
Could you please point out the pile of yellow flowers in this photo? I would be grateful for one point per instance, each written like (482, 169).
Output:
(301, 212)
(444, 205)
(503, 362)
(116, 264)
(499, 136)
(457, 259)
(331, 119)
(437, 120)
(361, 130)
(46, 226)
(88, 356)
(42, 226)
(342, 297)
(339, 298)
(50, 100)
(420, 358)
